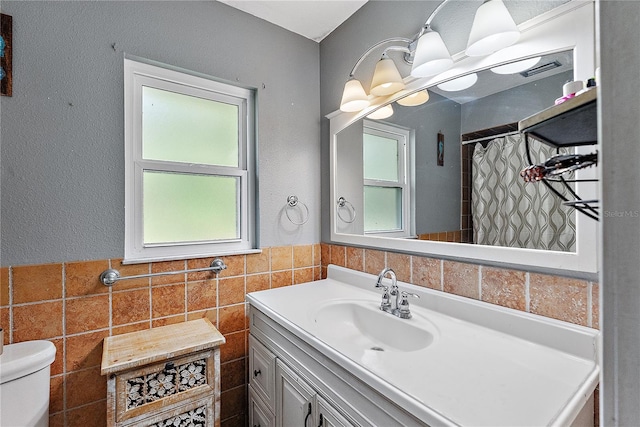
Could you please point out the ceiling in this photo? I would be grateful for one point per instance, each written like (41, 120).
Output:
(313, 19)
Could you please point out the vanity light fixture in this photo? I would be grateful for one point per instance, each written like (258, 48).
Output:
(386, 78)
(381, 113)
(354, 98)
(516, 67)
(493, 29)
(432, 56)
(461, 83)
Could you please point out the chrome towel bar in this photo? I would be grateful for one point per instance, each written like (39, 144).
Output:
(110, 277)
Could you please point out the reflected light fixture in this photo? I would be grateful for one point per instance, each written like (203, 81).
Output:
(381, 113)
(516, 67)
(461, 83)
(493, 29)
(415, 99)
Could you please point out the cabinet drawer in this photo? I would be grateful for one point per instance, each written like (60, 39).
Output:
(259, 414)
(262, 367)
(159, 386)
(198, 413)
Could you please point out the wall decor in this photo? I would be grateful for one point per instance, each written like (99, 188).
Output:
(440, 149)
(6, 36)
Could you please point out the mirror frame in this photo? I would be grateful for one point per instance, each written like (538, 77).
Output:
(569, 26)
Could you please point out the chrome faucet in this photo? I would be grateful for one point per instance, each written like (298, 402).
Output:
(396, 306)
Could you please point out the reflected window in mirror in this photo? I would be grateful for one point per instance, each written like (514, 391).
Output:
(387, 166)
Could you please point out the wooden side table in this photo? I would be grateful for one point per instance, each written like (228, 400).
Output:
(165, 376)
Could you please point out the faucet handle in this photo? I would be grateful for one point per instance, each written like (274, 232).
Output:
(385, 305)
(403, 307)
(405, 294)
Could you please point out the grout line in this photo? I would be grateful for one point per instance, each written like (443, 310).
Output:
(527, 293)
(64, 341)
(10, 305)
(186, 301)
(590, 304)
(411, 269)
(480, 282)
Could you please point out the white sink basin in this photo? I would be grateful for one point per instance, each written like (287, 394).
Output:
(361, 324)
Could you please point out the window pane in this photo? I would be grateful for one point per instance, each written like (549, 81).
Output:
(382, 208)
(189, 208)
(380, 158)
(183, 128)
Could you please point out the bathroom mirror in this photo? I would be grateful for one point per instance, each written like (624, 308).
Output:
(438, 150)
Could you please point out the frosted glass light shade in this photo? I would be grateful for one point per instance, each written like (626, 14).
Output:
(516, 67)
(432, 56)
(416, 98)
(493, 29)
(381, 113)
(354, 98)
(386, 78)
(461, 83)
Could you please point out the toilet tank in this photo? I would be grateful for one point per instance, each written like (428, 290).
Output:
(24, 383)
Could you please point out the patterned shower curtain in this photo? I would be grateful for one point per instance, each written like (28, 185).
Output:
(507, 211)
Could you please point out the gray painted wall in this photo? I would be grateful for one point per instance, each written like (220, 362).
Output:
(62, 131)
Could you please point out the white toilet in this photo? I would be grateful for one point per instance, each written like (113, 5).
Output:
(24, 383)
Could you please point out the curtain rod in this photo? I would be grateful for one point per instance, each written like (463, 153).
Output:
(485, 138)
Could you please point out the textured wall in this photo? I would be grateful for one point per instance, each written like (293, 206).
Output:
(62, 131)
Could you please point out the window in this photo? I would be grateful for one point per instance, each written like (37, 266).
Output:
(387, 172)
(189, 174)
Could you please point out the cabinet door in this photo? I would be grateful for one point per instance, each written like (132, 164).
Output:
(295, 400)
(262, 364)
(327, 416)
(259, 414)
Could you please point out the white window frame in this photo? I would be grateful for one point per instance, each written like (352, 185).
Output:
(138, 74)
(404, 137)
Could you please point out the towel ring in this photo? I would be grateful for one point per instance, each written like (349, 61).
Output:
(344, 203)
(292, 202)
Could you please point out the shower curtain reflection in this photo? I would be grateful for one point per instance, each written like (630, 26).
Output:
(506, 211)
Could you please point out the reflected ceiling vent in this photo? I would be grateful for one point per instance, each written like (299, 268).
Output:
(541, 68)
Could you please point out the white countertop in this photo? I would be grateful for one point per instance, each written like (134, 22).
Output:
(487, 365)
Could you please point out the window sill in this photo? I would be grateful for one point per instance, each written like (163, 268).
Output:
(177, 258)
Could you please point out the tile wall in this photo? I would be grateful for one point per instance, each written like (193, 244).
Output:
(570, 300)
(66, 304)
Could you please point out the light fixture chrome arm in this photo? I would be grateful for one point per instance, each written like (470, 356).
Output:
(375, 46)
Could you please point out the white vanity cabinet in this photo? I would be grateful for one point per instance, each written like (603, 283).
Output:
(279, 396)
